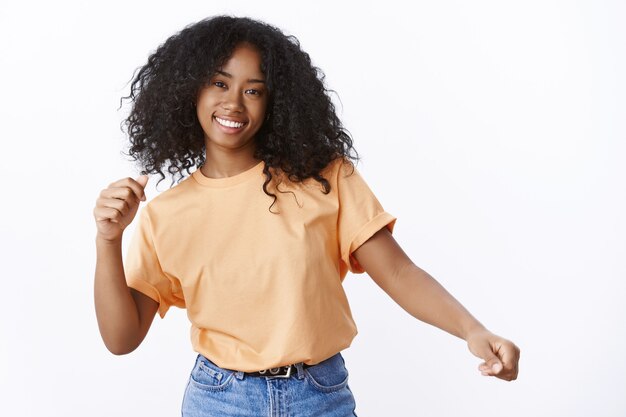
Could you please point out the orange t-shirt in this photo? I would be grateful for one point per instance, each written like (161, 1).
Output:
(261, 289)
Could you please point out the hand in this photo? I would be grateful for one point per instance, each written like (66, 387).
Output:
(500, 356)
(117, 205)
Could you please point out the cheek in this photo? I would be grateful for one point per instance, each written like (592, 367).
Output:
(206, 99)
(260, 112)
(205, 109)
(202, 114)
(205, 117)
(205, 104)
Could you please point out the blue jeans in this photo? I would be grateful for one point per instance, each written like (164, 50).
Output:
(320, 390)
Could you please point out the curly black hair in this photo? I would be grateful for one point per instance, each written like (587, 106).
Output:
(301, 135)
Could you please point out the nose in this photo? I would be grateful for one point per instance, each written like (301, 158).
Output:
(232, 101)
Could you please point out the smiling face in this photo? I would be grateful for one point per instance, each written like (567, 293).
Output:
(231, 107)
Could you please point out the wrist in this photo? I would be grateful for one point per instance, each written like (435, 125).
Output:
(104, 242)
(471, 329)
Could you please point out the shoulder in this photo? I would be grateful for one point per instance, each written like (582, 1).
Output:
(172, 198)
(337, 169)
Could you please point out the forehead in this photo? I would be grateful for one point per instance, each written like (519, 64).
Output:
(244, 60)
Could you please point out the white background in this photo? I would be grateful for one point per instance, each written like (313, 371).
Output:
(493, 130)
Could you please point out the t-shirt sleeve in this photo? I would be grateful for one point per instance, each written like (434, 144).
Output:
(143, 269)
(360, 215)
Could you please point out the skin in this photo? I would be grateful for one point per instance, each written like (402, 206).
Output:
(124, 315)
(238, 93)
(424, 298)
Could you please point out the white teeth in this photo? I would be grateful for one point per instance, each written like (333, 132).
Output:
(229, 123)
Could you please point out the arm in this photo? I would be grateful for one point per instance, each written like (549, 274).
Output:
(124, 314)
(424, 298)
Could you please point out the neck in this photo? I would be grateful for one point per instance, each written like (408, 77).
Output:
(227, 165)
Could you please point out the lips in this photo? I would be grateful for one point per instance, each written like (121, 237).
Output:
(229, 123)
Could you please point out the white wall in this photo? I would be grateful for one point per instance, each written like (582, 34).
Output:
(493, 130)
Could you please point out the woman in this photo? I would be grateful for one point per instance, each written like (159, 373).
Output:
(255, 243)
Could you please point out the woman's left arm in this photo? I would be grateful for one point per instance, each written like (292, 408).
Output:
(424, 298)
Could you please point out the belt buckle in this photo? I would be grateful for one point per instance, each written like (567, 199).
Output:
(275, 372)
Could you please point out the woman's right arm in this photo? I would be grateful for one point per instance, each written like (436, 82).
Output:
(124, 314)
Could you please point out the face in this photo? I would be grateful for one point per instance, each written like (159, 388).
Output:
(231, 107)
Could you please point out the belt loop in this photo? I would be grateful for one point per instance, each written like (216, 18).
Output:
(239, 375)
(300, 368)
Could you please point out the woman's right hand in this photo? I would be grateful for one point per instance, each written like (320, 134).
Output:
(117, 205)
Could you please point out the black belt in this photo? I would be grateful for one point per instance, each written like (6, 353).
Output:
(280, 372)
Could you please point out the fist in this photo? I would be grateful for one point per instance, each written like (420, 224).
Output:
(500, 356)
(117, 205)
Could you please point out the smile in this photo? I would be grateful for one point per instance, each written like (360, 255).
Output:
(229, 123)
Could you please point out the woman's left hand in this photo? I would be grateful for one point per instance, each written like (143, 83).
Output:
(501, 356)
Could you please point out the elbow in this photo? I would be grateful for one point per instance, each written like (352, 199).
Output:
(119, 352)
(119, 349)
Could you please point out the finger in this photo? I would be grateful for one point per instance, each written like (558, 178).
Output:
(491, 368)
(508, 372)
(104, 214)
(121, 205)
(137, 186)
(142, 180)
(120, 192)
(510, 354)
(492, 365)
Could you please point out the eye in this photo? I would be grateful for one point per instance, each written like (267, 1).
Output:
(219, 84)
(253, 92)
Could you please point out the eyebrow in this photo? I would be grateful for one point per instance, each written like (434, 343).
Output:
(250, 80)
